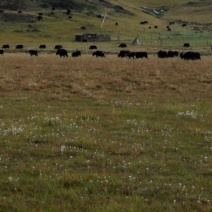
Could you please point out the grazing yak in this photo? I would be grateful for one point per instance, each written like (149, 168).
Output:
(123, 53)
(62, 53)
(76, 53)
(68, 11)
(173, 53)
(32, 52)
(122, 45)
(168, 28)
(144, 22)
(141, 55)
(40, 17)
(42, 46)
(162, 54)
(190, 56)
(93, 47)
(19, 46)
(131, 55)
(1, 51)
(5, 46)
(165, 54)
(58, 47)
(186, 45)
(99, 54)
(137, 55)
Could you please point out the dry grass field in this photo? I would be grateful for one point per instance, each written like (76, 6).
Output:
(105, 134)
(111, 77)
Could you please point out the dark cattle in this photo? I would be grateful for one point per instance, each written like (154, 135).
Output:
(93, 47)
(117, 23)
(40, 13)
(122, 45)
(190, 56)
(176, 53)
(19, 11)
(162, 54)
(1, 51)
(123, 53)
(62, 53)
(184, 25)
(68, 12)
(33, 52)
(141, 55)
(150, 27)
(144, 22)
(58, 47)
(19, 47)
(83, 27)
(168, 28)
(5, 46)
(171, 22)
(99, 54)
(186, 45)
(70, 17)
(172, 54)
(76, 53)
(42, 46)
(131, 55)
(39, 18)
(155, 27)
(100, 16)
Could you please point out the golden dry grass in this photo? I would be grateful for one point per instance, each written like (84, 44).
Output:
(49, 76)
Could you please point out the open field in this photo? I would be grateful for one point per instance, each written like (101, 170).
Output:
(105, 134)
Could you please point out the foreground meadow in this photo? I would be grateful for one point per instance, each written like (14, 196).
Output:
(105, 134)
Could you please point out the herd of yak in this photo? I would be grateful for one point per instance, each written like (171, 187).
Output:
(189, 55)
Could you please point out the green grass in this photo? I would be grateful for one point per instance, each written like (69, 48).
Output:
(58, 28)
(82, 155)
(110, 134)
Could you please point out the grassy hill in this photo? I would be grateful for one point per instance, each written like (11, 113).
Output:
(56, 26)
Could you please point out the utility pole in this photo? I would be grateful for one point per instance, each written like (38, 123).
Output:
(103, 21)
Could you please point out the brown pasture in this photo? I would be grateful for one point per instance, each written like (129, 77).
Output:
(50, 77)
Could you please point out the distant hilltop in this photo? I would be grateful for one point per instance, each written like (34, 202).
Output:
(94, 5)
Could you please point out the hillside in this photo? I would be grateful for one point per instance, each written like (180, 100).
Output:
(182, 9)
(86, 17)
